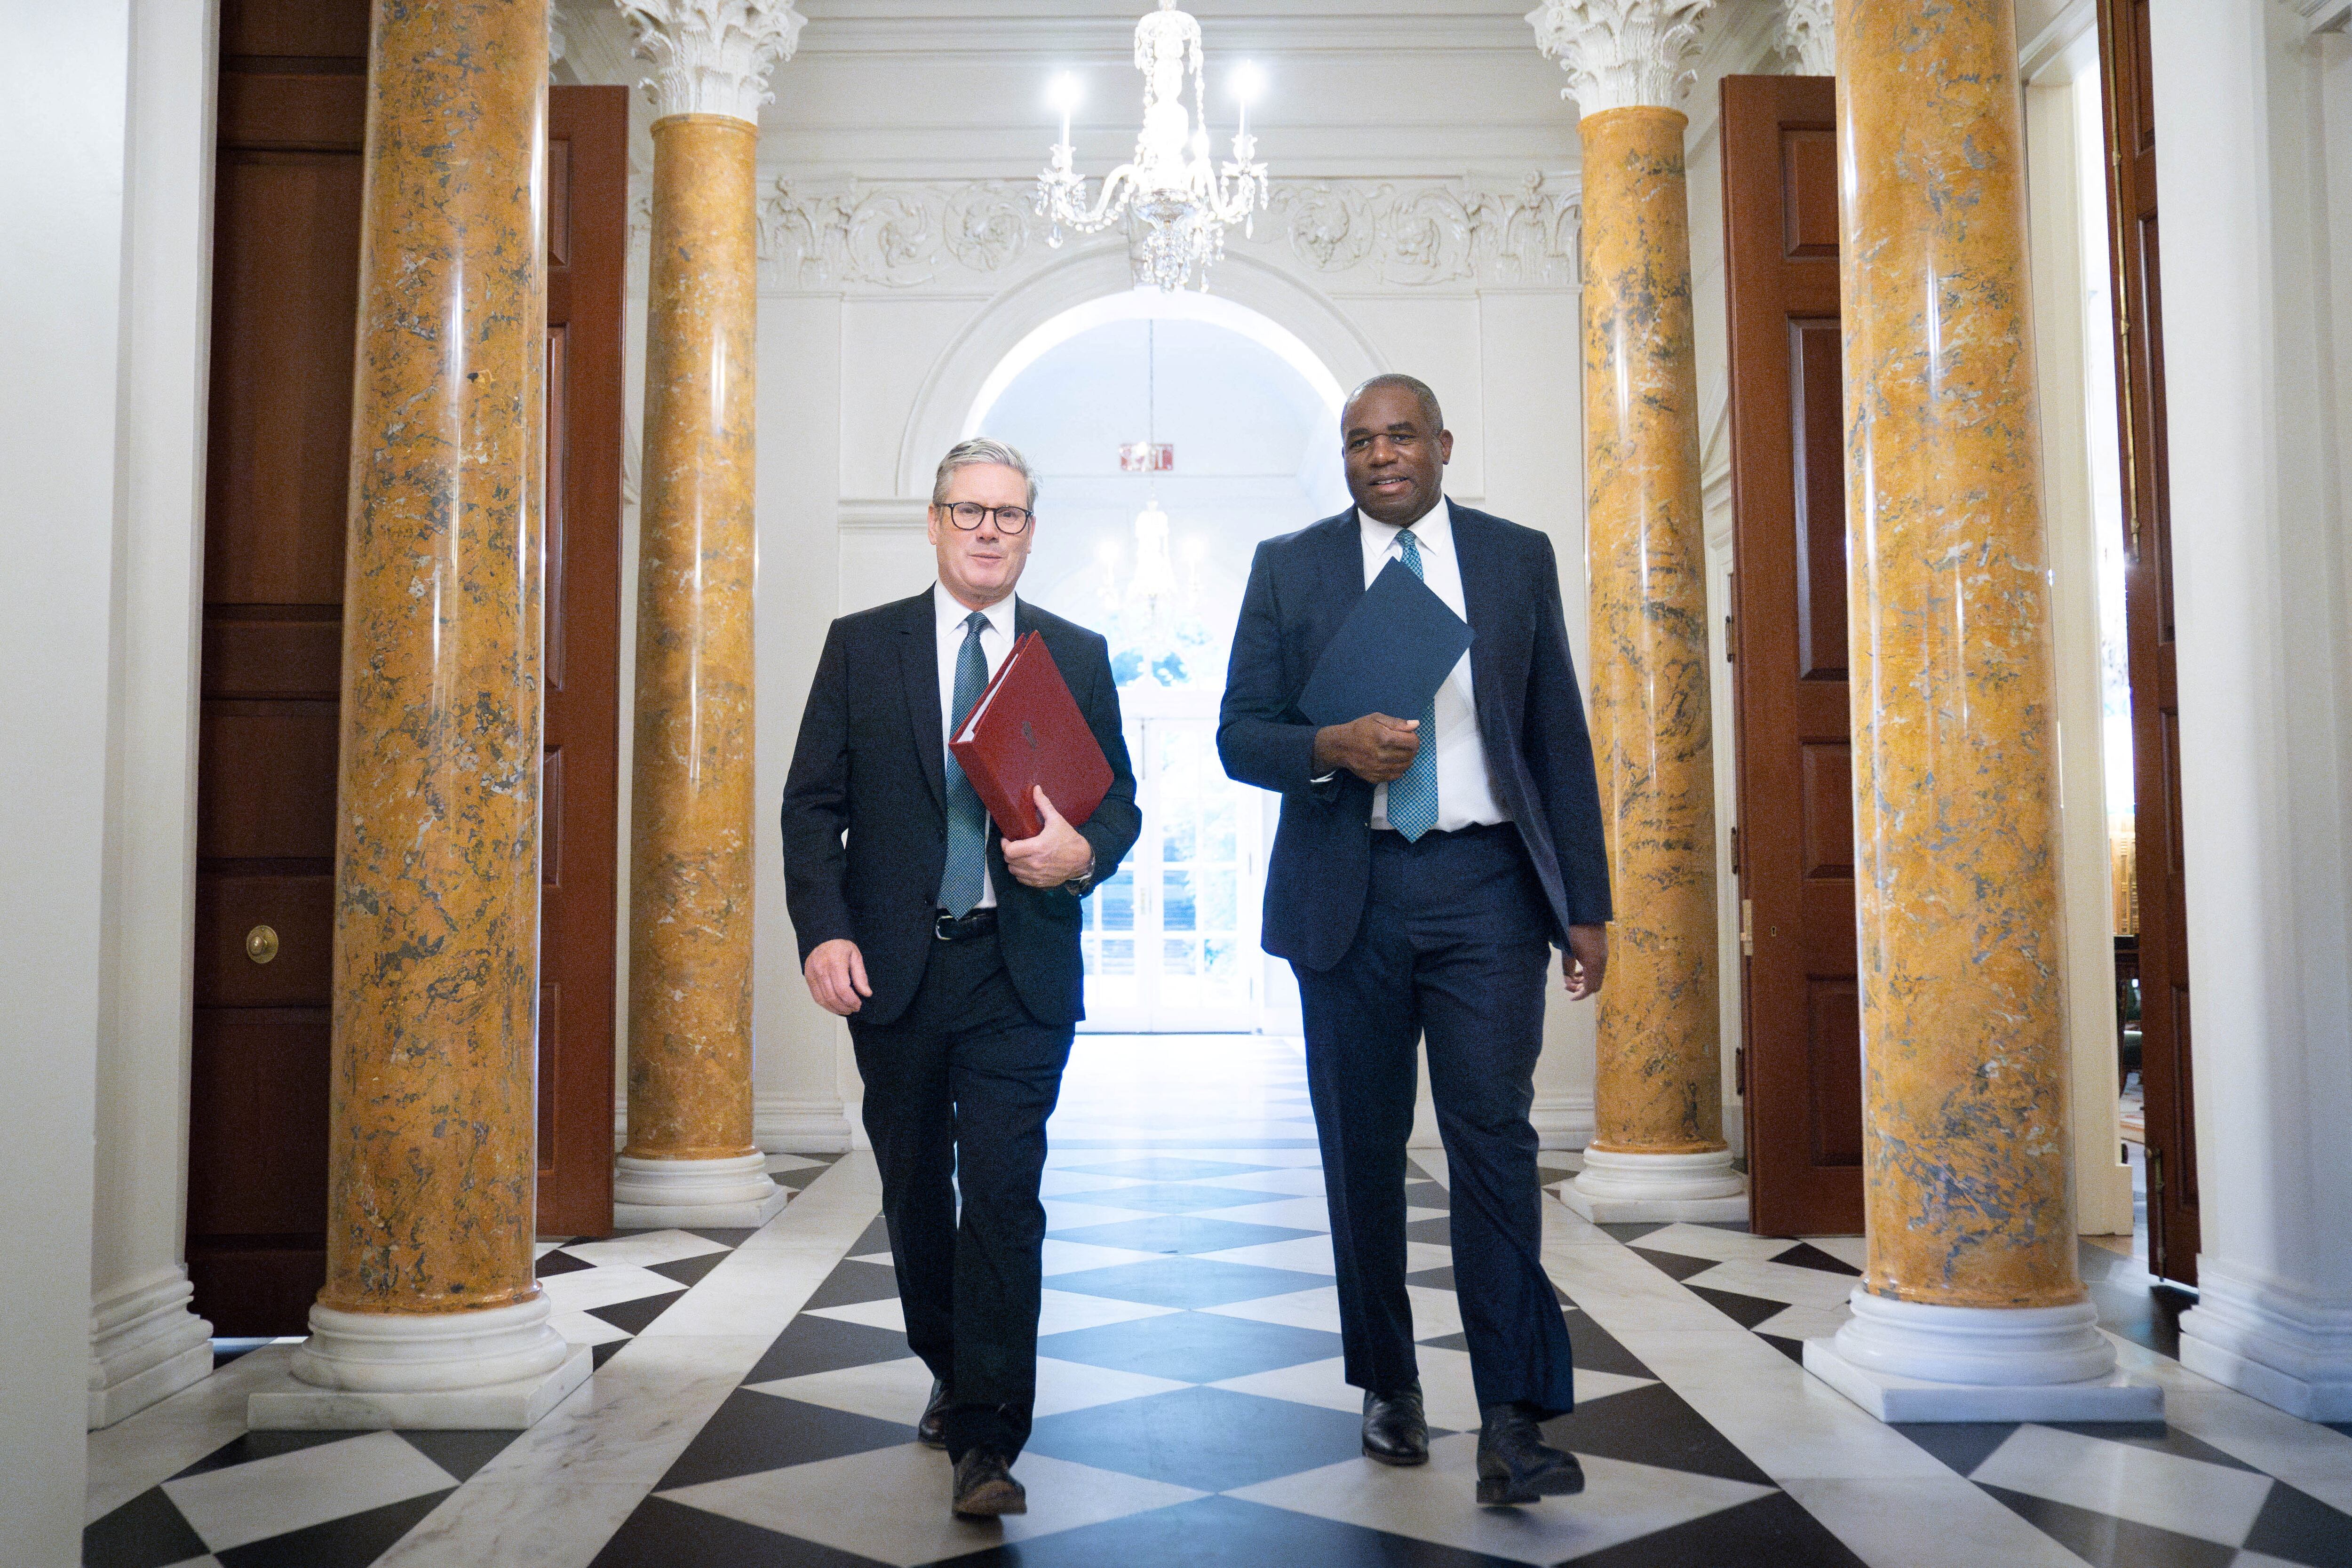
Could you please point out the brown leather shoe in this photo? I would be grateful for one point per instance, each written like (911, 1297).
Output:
(1396, 1432)
(984, 1487)
(931, 1431)
(1516, 1465)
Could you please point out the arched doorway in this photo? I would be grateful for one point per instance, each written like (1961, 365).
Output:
(1156, 558)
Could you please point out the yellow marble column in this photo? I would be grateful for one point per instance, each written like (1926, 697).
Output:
(1658, 1152)
(1970, 1307)
(430, 1315)
(690, 1159)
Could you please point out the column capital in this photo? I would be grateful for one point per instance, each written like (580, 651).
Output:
(712, 57)
(1620, 53)
(1807, 37)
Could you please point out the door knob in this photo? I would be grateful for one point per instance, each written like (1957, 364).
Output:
(262, 945)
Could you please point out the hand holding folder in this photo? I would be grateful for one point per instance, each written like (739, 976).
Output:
(1390, 656)
(1026, 732)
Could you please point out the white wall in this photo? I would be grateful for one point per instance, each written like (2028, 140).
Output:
(2255, 133)
(145, 1342)
(61, 273)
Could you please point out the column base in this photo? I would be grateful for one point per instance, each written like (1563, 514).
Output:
(145, 1346)
(1913, 1360)
(654, 1195)
(2281, 1344)
(499, 1370)
(1646, 1189)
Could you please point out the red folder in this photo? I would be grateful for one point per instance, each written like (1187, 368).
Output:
(1026, 730)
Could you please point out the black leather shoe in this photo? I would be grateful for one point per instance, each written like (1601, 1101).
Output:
(984, 1487)
(931, 1431)
(1396, 1432)
(1515, 1464)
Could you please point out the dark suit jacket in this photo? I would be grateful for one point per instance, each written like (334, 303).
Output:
(869, 765)
(1301, 586)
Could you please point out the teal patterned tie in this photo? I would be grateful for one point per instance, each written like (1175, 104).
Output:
(967, 818)
(1412, 799)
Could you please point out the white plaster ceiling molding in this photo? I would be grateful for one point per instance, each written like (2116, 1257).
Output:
(1807, 38)
(899, 236)
(1620, 53)
(712, 57)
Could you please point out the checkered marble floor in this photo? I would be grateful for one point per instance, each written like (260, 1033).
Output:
(754, 1401)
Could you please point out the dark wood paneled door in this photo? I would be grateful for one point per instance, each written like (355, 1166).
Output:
(293, 104)
(587, 251)
(2165, 1079)
(1800, 1026)
(285, 283)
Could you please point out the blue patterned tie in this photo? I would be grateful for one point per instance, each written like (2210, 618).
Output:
(1412, 799)
(967, 818)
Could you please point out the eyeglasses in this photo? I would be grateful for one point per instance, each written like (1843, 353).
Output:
(969, 515)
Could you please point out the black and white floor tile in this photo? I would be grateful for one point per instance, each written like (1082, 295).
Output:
(754, 1400)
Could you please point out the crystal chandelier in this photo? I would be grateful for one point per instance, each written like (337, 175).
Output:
(1179, 202)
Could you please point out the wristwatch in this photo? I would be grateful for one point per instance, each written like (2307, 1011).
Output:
(1083, 883)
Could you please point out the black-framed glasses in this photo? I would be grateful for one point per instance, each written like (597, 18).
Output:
(969, 515)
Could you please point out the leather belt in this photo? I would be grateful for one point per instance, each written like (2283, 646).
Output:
(965, 927)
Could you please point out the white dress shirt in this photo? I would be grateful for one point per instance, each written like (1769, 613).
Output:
(1465, 791)
(995, 642)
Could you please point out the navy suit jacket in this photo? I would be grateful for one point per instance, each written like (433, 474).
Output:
(866, 819)
(1530, 717)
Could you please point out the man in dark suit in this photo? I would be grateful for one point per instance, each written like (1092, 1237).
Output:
(1425, 865)
(952, 952)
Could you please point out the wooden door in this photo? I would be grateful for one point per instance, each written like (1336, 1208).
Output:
(587, 247)
(1801, 1024)
(293, 104)
(285, 299)
(2172, 1207)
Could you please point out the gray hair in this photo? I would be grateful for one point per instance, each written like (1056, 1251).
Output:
(974, 453)
(1420, 389)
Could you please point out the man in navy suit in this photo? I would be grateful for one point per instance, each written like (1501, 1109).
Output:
(1425, 866)
(953, 952)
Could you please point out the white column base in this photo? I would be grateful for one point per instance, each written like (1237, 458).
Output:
(1913, 1360)
(1646, 1189)
(654, 1195)
(499, 1370)
(2270, 1338)
(145, 1346)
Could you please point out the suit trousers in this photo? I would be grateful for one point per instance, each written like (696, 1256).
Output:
(1453, 947)
(958, 1091)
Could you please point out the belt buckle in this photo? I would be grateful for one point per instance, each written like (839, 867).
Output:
(943, 926)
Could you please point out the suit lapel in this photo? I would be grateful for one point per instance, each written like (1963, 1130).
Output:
(919, 660)
(1490, 649)
(1343, 574)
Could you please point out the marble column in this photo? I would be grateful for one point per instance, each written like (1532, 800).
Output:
(430, 1315)
(1970, 1308)
(1658, 1150)
(690, 1159)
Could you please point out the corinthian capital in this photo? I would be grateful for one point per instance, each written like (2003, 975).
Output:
(712, 57)
(1807, 38)
(1619, 53)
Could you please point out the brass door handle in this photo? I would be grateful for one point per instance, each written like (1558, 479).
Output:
(262, 945)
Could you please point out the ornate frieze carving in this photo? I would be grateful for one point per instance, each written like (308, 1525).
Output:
(712, 57)
(901, 236)
(1443, 233)
(1620, 53)
(1807, 37)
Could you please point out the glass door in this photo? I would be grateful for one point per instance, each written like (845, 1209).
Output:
(1170, 942)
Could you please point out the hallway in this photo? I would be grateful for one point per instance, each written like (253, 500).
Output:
(754, 1402)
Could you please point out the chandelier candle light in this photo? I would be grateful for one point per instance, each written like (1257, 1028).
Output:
(1177, 203)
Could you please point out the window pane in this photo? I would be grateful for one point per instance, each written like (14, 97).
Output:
(1176, 902)
(1119, 955)
(1176, 840)
(1217, 830)
(1179, 957)
(1114, 901)
(1217, 897)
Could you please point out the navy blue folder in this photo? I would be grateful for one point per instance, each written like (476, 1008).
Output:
(1391, 654)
